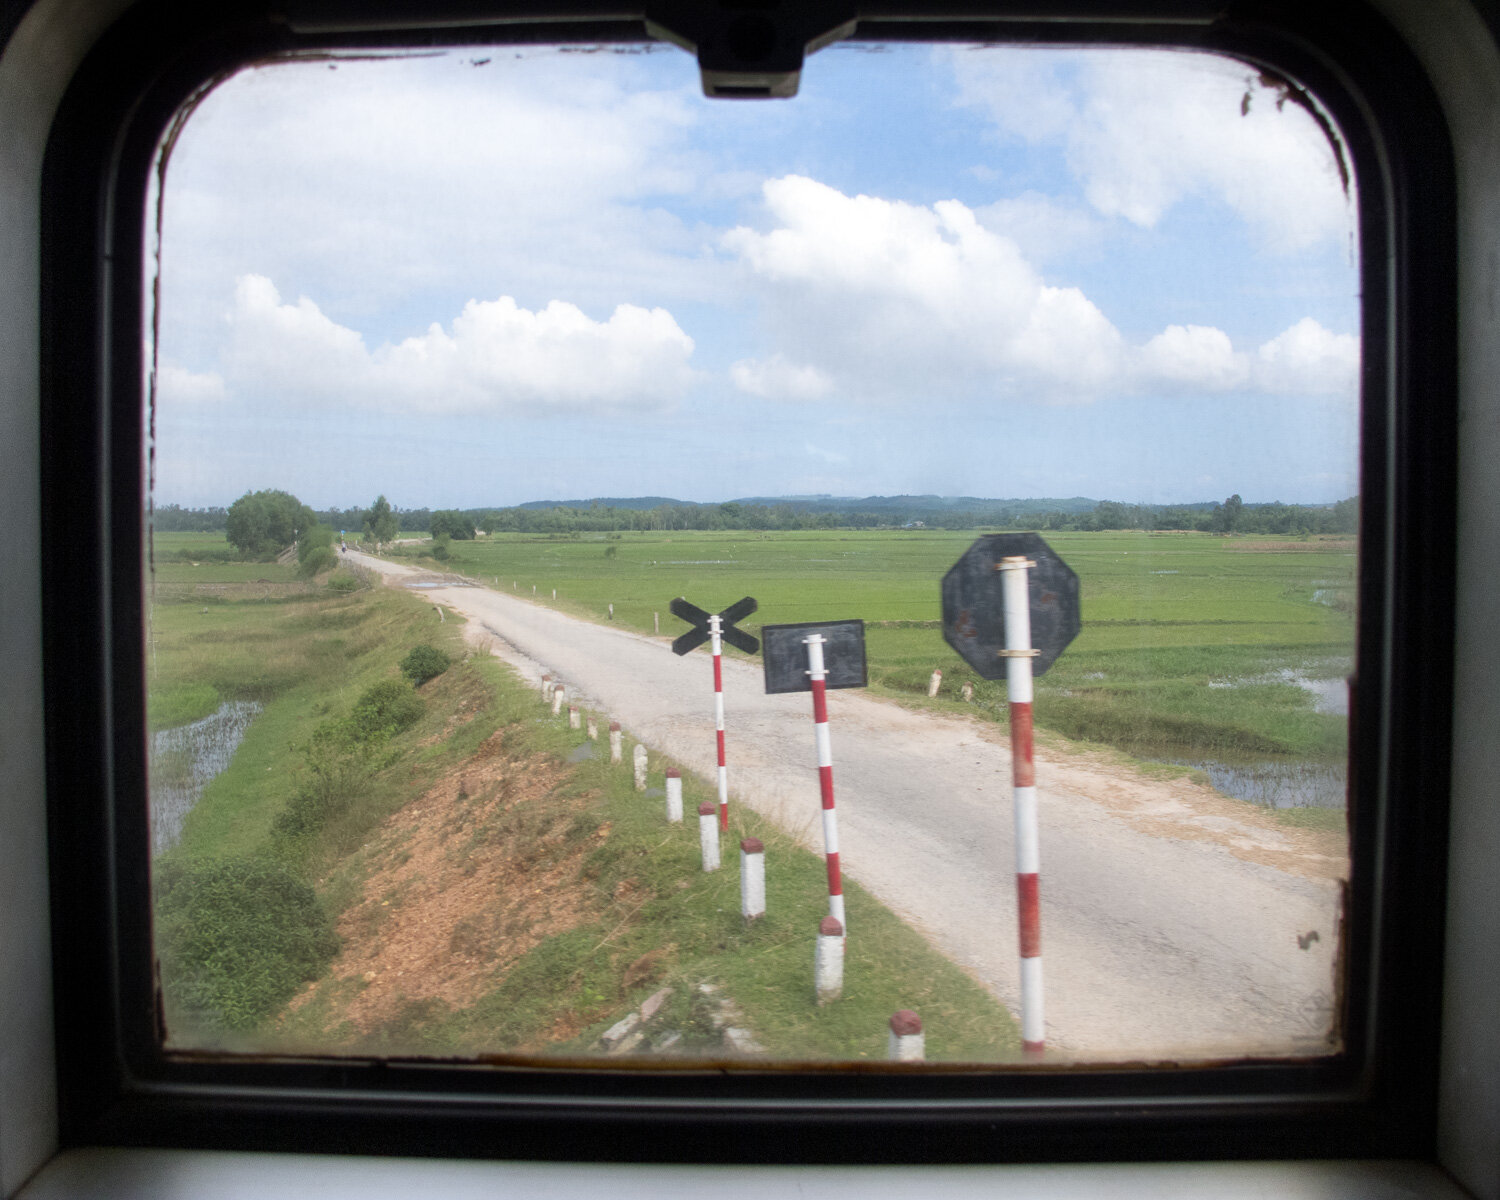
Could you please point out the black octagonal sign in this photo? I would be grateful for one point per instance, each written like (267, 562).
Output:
(974, 613)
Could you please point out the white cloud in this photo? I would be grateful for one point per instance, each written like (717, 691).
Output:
(496, 356)
(778, 379)
(176, 385)
(1145, 130)
(1041, 226)
(1194, 356)
(880, 294)
(1308, 359)
(381, 185)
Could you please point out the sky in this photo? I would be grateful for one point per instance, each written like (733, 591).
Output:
(495, 276)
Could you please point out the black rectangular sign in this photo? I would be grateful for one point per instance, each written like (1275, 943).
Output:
(784, 652)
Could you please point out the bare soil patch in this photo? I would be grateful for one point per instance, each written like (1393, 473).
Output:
(462, 882)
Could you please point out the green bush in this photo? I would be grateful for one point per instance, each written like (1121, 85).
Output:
(424, 663)
(344, 581)
(384, 710)
(317, 560)
(440, 549)
(336, 773)
(237, 937)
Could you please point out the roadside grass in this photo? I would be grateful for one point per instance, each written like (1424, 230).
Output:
(648, 916)
(653, 917)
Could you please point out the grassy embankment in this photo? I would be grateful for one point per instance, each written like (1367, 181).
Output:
(548, 896)
(1187, 646)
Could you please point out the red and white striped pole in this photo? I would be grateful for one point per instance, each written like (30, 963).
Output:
(718, 649)
(1018, 655)
(818, 675)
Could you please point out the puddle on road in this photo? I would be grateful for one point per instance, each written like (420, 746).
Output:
(184, 759)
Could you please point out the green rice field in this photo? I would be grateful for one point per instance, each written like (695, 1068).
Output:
(1225, 654)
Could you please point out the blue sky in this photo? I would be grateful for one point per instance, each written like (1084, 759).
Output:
(997, 272)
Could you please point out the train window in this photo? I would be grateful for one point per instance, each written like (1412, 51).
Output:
(454, 375)
(418, 319)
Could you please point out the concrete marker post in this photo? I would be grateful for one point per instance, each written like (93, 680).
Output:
(614, 744)
(968, 692)
(907, 1041)
(574, 721)
(674, 795)
(656, 622)
(708, 835)
(935, 682)
(752, 878)
(818, 676)
(593, 728)
(1018, 654)
(611, 612)
(639, 757)
(558, 691)
(546, 688)
(828, 961)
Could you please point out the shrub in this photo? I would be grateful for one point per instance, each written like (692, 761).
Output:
(343, 581)
(237, 938)
(385, 709)
(336, 773)
(424, 663)
(440, 549)
(318, 559)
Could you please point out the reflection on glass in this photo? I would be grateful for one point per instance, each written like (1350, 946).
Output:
(468, 366)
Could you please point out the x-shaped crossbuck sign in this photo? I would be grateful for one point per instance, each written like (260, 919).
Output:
(701, 628)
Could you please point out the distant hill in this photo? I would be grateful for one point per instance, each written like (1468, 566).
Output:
(837, 504)
(921, 504)
(632, 502)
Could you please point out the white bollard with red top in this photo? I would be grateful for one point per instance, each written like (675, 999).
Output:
(828, 961)
(573, 718)
(818, 677)
(907, 1042)
(718, 648)
(615, 749)
(674, 794)
(934, 682)
(1018, 654)
(708, 835)
(752, 878)
(639, 756)
(558, 692)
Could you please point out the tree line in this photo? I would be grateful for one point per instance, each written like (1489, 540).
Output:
(263, 523)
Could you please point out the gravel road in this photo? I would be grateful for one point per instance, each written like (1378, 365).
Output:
(1176, 924)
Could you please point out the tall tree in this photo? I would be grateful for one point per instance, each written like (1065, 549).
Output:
(380, 521)
(265, 522)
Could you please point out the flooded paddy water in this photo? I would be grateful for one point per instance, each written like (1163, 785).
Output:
(1282, 783)
(185, 759)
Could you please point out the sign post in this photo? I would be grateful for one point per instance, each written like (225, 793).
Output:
(992, 628)
(787, 646)
(716, 628)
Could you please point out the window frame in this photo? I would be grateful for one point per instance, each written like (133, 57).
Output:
(115, 1085)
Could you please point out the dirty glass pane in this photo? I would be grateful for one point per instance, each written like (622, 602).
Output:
(480, 378)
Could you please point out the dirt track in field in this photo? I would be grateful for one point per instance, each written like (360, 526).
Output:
(1176, 924)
